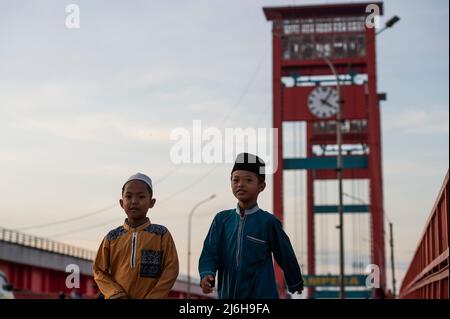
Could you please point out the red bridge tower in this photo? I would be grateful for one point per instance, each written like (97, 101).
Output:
(304, 90)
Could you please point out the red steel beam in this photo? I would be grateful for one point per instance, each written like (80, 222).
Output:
(278, 174)
(375, 165)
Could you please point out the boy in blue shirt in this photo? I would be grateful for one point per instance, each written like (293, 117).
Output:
(241, 241)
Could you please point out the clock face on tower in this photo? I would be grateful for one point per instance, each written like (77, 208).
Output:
(323, 101)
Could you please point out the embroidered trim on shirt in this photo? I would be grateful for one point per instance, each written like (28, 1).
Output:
(116, 233)
(150, 263)
(156, 229)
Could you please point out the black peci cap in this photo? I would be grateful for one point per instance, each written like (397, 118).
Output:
(251, 163)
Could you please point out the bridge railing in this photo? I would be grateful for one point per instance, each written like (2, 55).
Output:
(15, 237)
(428, 274)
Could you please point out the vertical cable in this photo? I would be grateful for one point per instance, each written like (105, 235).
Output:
(296, 206)
(302, 152)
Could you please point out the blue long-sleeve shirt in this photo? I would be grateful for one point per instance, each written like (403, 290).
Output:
(240, 249)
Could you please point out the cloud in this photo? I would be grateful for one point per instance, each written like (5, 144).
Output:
(410, 168)
(98, 128)
(111, 170)
(15, 157)
(419, 121)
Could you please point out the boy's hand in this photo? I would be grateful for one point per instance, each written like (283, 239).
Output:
(206, 284)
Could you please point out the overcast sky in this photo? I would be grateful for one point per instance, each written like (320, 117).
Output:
(83, 109)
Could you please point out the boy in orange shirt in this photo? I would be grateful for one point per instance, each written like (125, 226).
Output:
(137, 259)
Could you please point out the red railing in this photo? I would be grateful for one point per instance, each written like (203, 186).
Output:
(427, 275)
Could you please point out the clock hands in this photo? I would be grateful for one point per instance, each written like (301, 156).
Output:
(325, 102)
(329, 94)
(322, 102)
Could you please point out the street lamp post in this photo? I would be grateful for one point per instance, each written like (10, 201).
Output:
(389, 24)
(189, 241)
(391, 243)
(339, 169)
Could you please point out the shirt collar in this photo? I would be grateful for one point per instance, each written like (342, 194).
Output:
(138, 228)
(249, 210)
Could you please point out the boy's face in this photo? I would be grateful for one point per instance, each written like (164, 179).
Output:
(136, 200)
(246, 186)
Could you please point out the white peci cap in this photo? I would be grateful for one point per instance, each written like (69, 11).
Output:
(140, 177)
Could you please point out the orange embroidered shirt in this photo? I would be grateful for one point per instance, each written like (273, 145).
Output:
(140, 262)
